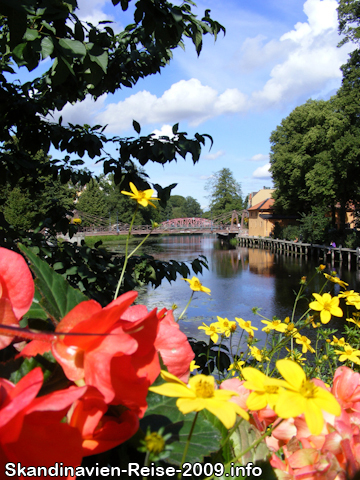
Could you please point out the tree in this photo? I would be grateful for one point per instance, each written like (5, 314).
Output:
(26, 205)
(86, 60)
(301, 164)
(315, 159)
(349, 21)
(192, 207)
(225, 192)
(92, 201)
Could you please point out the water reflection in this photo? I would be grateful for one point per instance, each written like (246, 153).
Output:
(239, 280)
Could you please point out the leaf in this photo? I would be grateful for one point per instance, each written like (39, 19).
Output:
(36, 310)
(73, 47)
(101, 60)
(31, 34)
(59, 297)
(47, 47)
(79, 32)
(162, 411)
(136, 126)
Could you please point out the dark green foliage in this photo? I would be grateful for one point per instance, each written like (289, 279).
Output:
(315, 160)
(85, 59)
(300, 159)
(291, 232)
(315, 226)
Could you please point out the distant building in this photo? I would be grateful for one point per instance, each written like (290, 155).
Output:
(260, 196)
(262, 218)
(260, 225)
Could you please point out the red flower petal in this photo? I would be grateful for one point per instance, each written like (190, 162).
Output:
(16, 281)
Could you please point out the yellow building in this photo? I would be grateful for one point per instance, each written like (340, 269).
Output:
(260, 225)
(260, 196)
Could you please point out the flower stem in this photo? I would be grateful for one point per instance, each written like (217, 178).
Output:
(188, 443)
(146, 463)
(187, 306)
(126, 254)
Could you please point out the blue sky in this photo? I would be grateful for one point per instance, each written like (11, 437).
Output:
(275, 55)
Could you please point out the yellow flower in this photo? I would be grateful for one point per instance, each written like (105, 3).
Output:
(354, 320)
(265, 390)
(155, 443)
(303, 396)
(348, 293)
(338, 342)
(193, 366)
(201, 393)
(321, 267)
(327, 306)
(197, 286)
(257, 354)
(246, 326)
(349, 353)
(276, 325)
(236, 366)
(305, 342)
(296, 356)
(211, 330)
(336, 280)
(225, 326)
(291, 330)
(141, 196)
(351, 298)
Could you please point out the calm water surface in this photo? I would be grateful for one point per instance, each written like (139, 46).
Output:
(239, 280)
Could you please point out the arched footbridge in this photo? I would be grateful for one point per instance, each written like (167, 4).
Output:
(230, 222)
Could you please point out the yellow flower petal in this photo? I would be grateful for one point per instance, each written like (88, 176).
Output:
(292, 372)
(256, 400)
(173, 390)
(314, 417)
(326, 401)
(289, 404)
(325, 316)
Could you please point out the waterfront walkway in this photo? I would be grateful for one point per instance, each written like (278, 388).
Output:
(321, 253)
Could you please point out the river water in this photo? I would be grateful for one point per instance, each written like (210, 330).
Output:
(239, 280)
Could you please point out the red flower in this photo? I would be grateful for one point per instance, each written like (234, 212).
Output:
(110, 348)
(16, 290)
(100, 432)
(173, 346)
(31, 430)
(135, 373)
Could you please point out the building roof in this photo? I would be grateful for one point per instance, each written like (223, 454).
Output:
(265, 205)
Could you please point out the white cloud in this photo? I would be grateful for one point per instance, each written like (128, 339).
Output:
(214, 156)
(81, 112)
(185, 100)
(91, 11)
(306, 59)
(262, 172)
(259, 157)
(166, 131)
(313, 60)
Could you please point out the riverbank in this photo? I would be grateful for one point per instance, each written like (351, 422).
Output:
(325, 253)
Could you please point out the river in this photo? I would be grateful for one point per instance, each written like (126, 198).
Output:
(239, 280)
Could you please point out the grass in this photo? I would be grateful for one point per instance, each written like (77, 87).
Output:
(109, 240)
